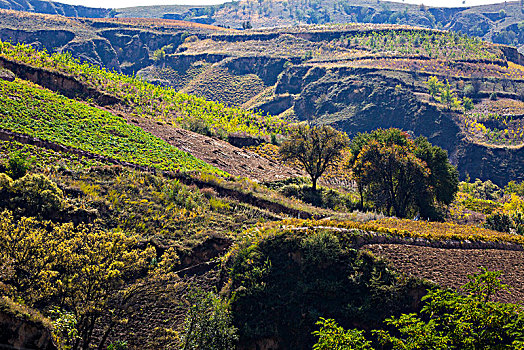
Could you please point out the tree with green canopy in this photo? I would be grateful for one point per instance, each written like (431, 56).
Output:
(402, 176)
(316, 148)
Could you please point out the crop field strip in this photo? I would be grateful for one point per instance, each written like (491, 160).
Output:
(158, 23)
(410, 229)
(46, 158)
(30, 110)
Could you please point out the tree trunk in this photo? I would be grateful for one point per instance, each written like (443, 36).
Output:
(106, 335)
(361, 193)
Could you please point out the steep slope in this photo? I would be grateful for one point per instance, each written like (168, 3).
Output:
(25, 108)
(108, 126)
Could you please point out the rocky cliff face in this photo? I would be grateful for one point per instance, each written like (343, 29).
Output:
(40, 39)
(66, 85)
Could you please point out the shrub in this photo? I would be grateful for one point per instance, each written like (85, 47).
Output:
(514, 187)
(469, 91)
(117, 345)
(499, 222)
(32, 195)
(493, 96)
(448, 320)
(323, 197)
(6, 184)
(208, 324)
(218, 204)
(18, 165)
(485, 190)
(518, 222)
(333, 337)
(468, 104)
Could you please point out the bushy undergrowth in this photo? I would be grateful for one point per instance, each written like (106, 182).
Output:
(323, 197)
(449, 319)
(31, 195)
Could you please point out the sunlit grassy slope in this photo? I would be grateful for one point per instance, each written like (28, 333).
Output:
(28, 109)
(147, 100)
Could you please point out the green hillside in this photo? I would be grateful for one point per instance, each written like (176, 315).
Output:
(149, 101)
(28, 109)
(122, 226)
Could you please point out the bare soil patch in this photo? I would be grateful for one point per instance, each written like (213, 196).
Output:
(450, 267)
(236, 161)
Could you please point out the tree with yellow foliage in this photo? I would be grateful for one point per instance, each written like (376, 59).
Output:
(78, 268)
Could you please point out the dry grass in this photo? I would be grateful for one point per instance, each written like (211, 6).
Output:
(159, 23)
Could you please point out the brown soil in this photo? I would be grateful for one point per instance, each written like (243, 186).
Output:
(450, 267)
(233, 160)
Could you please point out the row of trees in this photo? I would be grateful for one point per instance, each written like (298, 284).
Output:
(399, 175)
(444, 94)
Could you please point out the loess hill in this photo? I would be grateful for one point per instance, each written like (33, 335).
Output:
(500, 23)
(131, 194)
(356, 77)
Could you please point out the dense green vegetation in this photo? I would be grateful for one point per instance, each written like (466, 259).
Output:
(448, 320)
(282, 280)
(30, 110)
(208, 323)
(402, 176)
(316, 148)
(43, 158)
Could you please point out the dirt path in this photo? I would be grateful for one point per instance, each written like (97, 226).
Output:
(449, 267)
(236, 161)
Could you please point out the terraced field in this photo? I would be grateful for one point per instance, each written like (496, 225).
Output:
(147, 100)
(219, 84)
(43, 158)
(25, 108)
